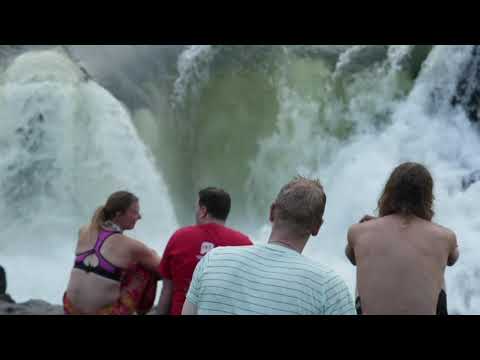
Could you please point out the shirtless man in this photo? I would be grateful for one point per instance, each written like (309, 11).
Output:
(402, 255)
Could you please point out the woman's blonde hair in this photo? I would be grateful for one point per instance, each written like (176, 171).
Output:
(118, 202)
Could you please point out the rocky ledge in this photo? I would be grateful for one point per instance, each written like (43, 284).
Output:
(32, 307)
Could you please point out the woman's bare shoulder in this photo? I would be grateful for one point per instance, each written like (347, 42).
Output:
(83, 229)
(129, 242)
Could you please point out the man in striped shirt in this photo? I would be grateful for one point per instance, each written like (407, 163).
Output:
(273, 279)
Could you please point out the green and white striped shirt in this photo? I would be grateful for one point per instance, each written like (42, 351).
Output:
(266, 280)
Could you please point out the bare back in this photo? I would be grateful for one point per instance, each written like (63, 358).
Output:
(400, 264)
(90, 292)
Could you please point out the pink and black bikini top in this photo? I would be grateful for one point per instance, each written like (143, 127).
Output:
(104, 268)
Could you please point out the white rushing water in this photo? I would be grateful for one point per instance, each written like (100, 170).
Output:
(421, 129)
(66, 145)
(353, 141)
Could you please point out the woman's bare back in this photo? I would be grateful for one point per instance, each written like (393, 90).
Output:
(89, 291)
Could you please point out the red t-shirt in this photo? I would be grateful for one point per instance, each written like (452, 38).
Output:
(184, 251)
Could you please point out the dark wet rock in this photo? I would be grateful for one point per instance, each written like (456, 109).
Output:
(32, 307)
(413, 61)
(36, 307)
(468, 90)
(470, 179)
(4, 297)
(3, 281)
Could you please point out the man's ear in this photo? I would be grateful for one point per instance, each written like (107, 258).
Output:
(203, 212)
(272, 213)
(316, 228)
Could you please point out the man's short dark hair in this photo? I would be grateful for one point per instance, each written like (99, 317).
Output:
(301, 204)
(216, 201)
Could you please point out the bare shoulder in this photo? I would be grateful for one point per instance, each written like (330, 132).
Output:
(83, 230)
(127, 240)
(134, 244)
(354, 229)
(366, 225)
(357, 230)
(444, 232)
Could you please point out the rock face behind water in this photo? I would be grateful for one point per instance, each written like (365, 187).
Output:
(468, 88)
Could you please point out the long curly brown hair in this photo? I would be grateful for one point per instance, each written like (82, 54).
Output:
(409, 191)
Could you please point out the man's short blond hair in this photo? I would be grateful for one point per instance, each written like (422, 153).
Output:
(301, 204)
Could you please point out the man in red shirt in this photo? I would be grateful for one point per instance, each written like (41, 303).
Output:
(189, 245)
